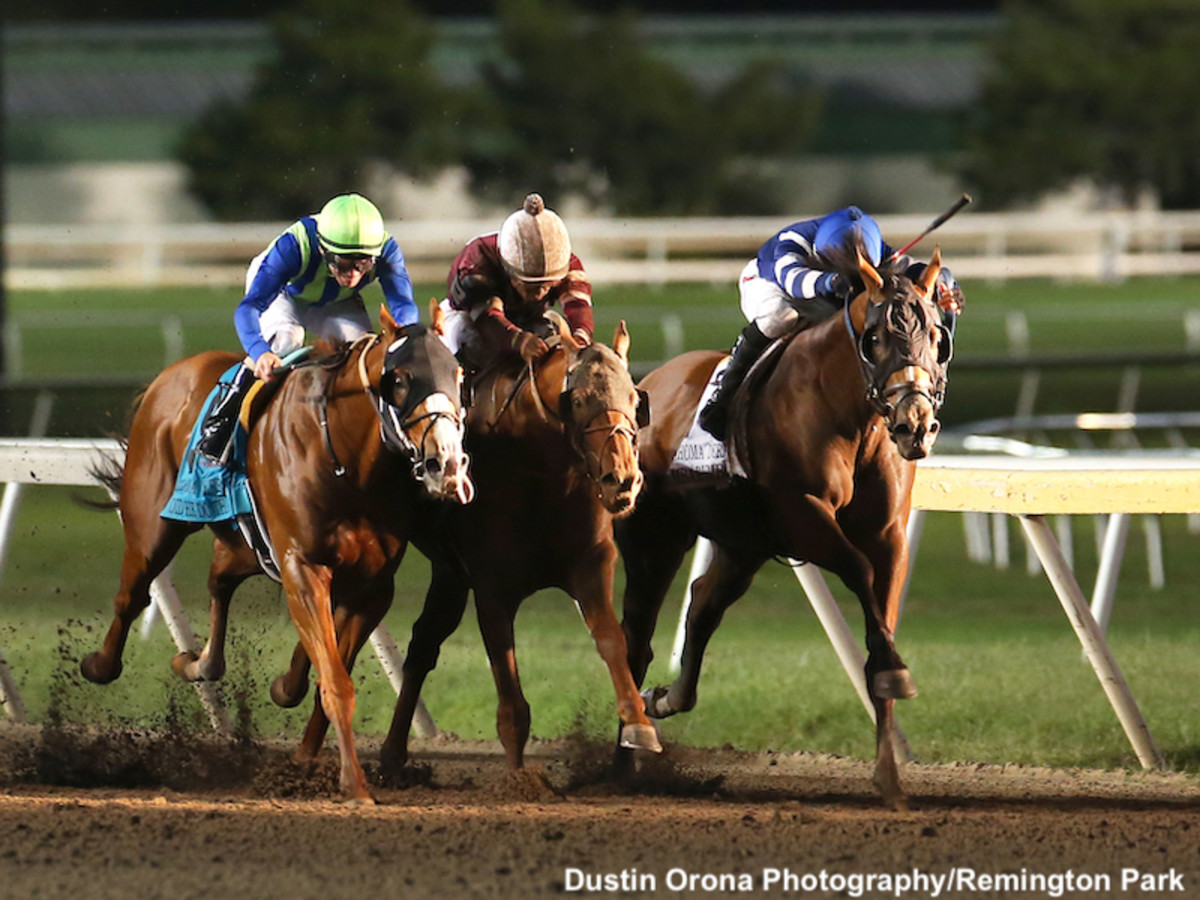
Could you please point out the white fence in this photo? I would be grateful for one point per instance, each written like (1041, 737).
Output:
(992, 246)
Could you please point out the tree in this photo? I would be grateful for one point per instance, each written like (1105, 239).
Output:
(1099, 89)
(580, 106)
(349, 91)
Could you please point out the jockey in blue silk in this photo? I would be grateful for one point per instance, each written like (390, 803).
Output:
(310, 279)
(780, 290)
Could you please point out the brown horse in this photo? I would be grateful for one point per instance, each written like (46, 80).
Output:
(340, 463)
(828, 440)
(554, 454)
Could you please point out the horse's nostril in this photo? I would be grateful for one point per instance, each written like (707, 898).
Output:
(903, 429)
(609, 479)
(433, 466)
(935, 426)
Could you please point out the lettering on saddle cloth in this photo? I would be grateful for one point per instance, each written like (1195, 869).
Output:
(703, 460)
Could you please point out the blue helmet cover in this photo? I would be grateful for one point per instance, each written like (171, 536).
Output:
(842, 224)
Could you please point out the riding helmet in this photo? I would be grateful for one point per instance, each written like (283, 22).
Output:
(349, 225)
(534, 245)
(841, 226)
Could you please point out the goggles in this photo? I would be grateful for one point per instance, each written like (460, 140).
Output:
(347, 264)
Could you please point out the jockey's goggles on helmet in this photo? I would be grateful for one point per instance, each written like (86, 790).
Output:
(348, 264)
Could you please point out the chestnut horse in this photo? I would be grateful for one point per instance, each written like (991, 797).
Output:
(828, 441)
(340, 463)
(554, 453)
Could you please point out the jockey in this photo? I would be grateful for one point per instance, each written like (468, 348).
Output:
(501, 284)
(780, 289)
(310, 279)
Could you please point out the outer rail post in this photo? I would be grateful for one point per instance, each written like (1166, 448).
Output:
(1094, 645)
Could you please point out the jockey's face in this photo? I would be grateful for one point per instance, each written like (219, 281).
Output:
(531, 291)
(349, 271)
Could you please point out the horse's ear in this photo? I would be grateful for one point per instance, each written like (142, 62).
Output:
(620, 342)
(870, 277)
(386, 323)
(929, 277)
(437, 317)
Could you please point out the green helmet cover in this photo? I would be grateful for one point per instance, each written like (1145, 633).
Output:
(350, 224)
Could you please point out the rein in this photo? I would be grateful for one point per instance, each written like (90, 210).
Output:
(899, 384)
(393, 427)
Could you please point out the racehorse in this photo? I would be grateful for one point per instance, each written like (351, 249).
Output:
(828, 441)
(554, 455)
(340, 463)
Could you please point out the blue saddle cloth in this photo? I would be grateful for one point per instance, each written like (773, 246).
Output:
(205, 491)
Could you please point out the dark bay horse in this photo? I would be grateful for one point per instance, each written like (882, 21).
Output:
(828, 441)
(554, 455)
(340, 463)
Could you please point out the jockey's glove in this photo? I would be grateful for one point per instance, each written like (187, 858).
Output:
(529, 346)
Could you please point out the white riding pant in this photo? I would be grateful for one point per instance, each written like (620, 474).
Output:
(284, 322)
(457, 327)
(770, 307)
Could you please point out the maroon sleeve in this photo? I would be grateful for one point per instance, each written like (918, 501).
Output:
(476, 275)
(574, 292)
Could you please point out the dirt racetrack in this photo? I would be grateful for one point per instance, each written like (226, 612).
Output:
(93, 815)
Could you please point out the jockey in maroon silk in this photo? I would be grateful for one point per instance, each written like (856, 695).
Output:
(501, 284)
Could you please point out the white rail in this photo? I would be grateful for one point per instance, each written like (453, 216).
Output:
(981, 245)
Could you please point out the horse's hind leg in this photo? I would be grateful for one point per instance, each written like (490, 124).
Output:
(149, 546)
(229, 568)
(725, 580)
(445, 602)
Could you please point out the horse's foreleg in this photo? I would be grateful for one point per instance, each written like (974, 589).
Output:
(308, 593)
(229, 569)
(445, 602)
(149, 547)
(512, 709)
(353, 629)
(725, 580)
(591, 586)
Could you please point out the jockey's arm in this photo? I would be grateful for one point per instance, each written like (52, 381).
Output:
(397, 284)
(281, 264)
(502, 336)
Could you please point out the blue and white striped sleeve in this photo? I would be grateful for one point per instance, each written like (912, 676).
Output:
(791, 271)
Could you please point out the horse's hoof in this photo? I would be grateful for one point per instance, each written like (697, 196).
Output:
(896, 684)
(280, 695)
(97, 672)
(640, 737)
(187, 666)
(657, 706)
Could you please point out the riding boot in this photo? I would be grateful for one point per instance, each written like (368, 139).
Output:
(714, 418)
(216, 433)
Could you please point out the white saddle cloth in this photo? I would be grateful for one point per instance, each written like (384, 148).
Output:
(702, 459)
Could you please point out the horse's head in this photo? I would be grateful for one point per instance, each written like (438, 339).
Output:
(904, 352)
(602, 411)
(420, 396)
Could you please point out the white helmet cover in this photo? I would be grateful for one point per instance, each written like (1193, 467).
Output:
(534, 244)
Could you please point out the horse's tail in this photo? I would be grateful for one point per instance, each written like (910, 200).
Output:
(110, 472)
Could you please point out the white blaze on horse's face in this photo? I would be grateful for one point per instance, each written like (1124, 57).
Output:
(604, 420)
(444, 473)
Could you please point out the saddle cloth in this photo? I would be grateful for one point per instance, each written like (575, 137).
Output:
(207, 492)
(204, 491)
(701, 459)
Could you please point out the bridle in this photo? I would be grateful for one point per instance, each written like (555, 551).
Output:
(617, 421)
(887, 389)
(395, 420)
